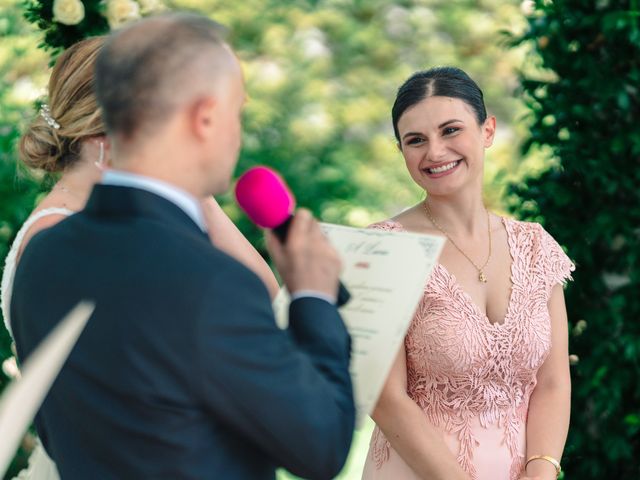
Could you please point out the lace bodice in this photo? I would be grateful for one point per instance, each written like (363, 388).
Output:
(464, 370)
(6, 287)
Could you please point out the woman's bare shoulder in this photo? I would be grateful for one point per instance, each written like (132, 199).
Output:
(414, 219)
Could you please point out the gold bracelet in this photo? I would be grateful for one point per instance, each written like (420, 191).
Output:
(549, 459)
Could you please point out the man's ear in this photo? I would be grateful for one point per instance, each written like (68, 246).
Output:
(202, 117)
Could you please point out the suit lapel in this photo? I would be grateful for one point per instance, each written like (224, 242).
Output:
(118, 201)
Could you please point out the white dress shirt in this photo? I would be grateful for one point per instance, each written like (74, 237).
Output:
(187, 202)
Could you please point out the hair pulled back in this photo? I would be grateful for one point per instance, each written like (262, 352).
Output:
(72, 105)
(438, 82)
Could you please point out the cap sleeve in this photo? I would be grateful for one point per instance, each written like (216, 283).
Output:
(557, 265)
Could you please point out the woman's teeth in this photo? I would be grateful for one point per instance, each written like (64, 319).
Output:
(444, 168)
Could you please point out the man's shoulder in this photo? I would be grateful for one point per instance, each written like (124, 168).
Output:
(47, 239)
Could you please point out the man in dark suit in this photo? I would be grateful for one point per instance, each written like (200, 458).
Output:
(181, 372)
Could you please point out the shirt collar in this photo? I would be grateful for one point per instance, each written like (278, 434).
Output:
(187, 202)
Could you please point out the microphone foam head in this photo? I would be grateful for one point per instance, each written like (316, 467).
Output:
(265, 197)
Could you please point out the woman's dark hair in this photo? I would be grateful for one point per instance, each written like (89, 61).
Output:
(438, 82)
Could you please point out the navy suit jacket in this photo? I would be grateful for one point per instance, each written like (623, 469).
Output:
(181, 372)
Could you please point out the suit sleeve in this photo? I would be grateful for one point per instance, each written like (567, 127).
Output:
(289, 392)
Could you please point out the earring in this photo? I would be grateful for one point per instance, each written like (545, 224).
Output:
(100, 162)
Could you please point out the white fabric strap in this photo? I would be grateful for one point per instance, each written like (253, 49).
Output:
(6, 287)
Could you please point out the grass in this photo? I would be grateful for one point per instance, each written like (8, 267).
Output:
(357, 455)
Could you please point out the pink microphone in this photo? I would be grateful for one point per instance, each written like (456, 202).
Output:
(268, 202)
(265, 198)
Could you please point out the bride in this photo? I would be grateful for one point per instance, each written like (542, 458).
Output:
(68, 137)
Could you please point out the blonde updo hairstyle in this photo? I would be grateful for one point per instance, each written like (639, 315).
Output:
(72, 104)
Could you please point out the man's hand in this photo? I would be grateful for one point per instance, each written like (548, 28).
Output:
(306, 261)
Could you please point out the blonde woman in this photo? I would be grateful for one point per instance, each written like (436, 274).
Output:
(68, 137)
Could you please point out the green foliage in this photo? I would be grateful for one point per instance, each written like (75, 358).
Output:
(322, 75)
(585, 105)
(18, 195)
(18, 189)
(58, 36)
(89, 19)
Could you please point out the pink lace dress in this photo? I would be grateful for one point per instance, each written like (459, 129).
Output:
(473, 379)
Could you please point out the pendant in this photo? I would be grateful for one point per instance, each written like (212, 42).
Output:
(482, 277)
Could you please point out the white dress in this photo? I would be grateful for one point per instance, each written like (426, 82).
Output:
(41, 467)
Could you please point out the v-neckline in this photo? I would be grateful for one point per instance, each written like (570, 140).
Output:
(480, 314)
(483, 315)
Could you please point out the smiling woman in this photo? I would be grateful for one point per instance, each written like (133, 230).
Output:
(481, 387)
(444, 139)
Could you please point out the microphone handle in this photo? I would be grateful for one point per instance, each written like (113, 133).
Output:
(282, 229)
(281, 232)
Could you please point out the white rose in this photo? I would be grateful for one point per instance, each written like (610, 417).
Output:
(69, 12)
(528, 7)
(150, 6)
(121, 11)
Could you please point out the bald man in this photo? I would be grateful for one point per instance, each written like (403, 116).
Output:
(181, 372)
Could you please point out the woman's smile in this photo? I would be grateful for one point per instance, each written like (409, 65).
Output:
(442, 170)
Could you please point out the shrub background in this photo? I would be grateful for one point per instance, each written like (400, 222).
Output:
(585, 106)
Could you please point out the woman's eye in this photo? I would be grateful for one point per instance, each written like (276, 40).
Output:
(414, 141)
(450, 130)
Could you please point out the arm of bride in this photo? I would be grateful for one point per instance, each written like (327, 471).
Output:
(226, 236)
(409, 431)
(550, 404)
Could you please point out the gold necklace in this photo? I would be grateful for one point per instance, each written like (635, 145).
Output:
(61, 187)
(481, 275)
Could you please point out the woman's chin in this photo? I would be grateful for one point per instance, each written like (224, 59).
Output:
(449, 185)
(443, 188)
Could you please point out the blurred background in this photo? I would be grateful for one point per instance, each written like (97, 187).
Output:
(561, 77)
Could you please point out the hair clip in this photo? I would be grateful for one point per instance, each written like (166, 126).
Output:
(46, 114)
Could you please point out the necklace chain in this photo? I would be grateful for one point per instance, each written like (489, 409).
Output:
(62, 187)
(481, 275)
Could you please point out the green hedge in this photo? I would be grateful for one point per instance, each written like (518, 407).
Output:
(18, 190)
(585, 107)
